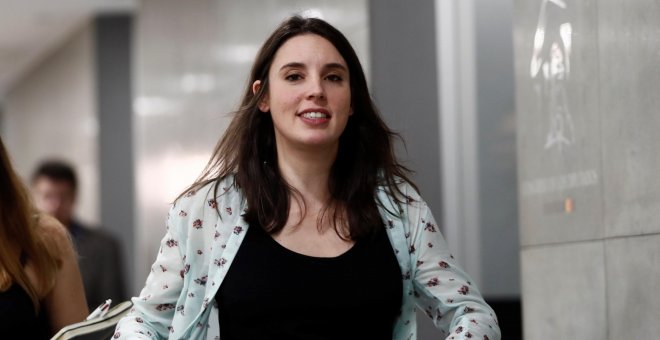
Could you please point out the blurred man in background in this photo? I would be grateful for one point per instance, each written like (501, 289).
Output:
(54, 186)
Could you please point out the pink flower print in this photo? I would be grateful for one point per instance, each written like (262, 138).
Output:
(411, 250)
(170, 328)
(212, 203)
(199, 252)
(443, 264)
(474, 321)
(450, 300)
(139, 320)
(468, 335)
(197, 224)
(430, 227)
(409, 199)
(433, 282)
(202, 280)
(180, 309)
(172, 243)
(185, 270)
(430, 245)
(459, 329)
(220, 262)
(164, 306)
(228, 210)
(116, 335)
(238, 230)
(406, 276)
(390, 223)
(428, 312)
(163, 268)
(216, 235)
(183, 213)
(439, 315)
(469, 310)
(464, 290)
(419, 263)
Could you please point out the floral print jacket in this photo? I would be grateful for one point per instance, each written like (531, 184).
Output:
(200, 244)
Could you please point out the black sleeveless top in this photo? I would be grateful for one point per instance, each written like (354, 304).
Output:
(17, 316)
(271, 292)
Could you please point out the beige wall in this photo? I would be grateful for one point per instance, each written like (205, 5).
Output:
(51, 112)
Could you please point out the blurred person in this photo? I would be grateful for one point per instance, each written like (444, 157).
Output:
(304, 225)
(54, 186)
(41, 289)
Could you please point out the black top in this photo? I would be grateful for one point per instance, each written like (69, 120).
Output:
(271, 292)
(18, 319)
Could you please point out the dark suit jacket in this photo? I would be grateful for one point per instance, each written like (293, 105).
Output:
(99, 258)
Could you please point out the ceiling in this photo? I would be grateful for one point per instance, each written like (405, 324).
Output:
(31, 29)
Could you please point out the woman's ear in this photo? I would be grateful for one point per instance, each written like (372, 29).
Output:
(263, 103)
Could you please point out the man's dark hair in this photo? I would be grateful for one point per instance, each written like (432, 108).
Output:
(56, 170)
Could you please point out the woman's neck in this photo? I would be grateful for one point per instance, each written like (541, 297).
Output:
(308, 171)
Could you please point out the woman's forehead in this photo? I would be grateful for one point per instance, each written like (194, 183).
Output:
(306, 49)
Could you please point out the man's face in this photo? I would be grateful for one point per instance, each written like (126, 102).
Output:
(54, 197)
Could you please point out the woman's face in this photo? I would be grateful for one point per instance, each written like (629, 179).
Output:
(309, 93)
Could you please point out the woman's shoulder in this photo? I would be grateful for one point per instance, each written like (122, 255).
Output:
(399, 189)
(54, 231)
(222, 192)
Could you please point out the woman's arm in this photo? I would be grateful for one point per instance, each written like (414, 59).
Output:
(443, 290)
(153, 310)
(65, 303)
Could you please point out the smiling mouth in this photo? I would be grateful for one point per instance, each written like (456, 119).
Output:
(315, 115)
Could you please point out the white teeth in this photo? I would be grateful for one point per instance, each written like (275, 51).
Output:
(314, 115)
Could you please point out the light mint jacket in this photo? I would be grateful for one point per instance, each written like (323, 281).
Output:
(178, 300)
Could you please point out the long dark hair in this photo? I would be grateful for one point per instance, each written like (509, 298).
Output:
(365, 159)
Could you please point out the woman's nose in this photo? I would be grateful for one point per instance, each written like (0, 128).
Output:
(315, 89)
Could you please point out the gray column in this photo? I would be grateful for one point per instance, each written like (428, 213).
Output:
(404, 85)
(113, 70)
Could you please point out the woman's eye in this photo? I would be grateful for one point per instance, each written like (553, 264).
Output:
(293, 77)
(334, 77)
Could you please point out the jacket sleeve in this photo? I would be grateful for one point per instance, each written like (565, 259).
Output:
(442, 289)
(153, 311)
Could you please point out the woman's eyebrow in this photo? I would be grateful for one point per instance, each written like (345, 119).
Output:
(302, 65)
(336, 65)
(292, 65)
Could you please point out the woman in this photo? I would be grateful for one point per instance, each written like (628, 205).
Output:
(303, 224)
(40, 286)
